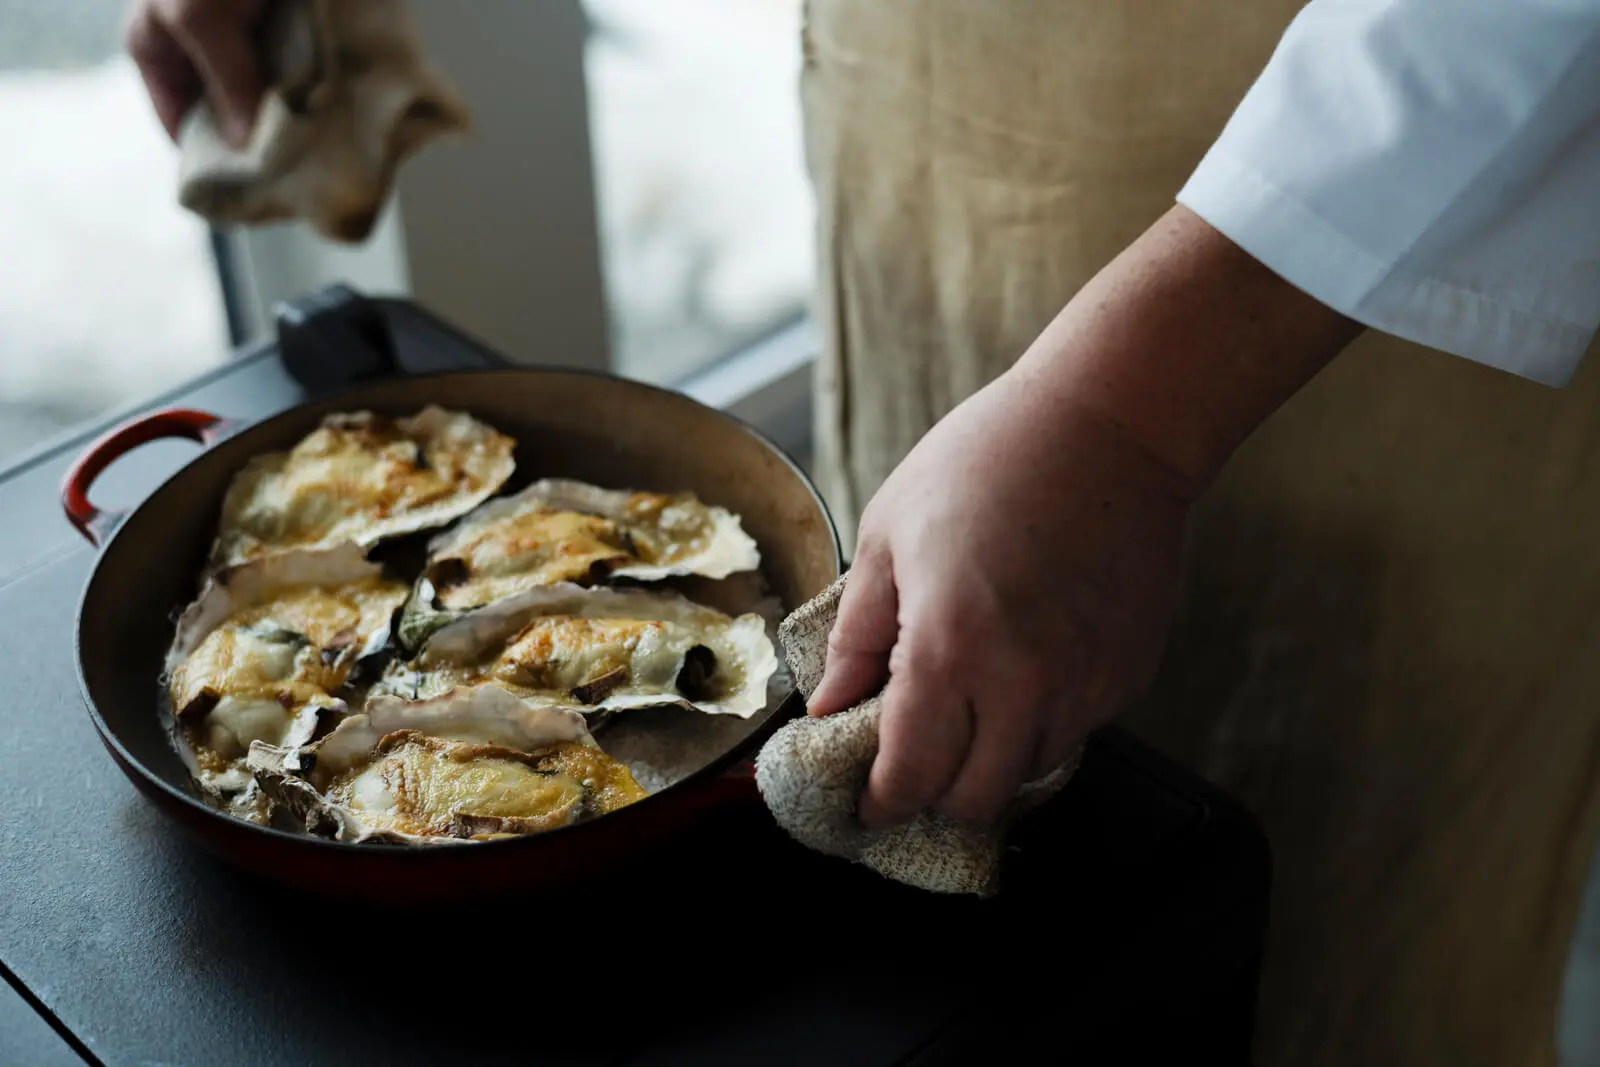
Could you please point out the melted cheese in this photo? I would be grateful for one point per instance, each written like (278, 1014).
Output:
(235, 722)
(608, 782)
(541, 546)
(562, 656)
(251, 663)
(429, 787)
(534, 548)
(329, 616)
(668, 528)
(296, 646)
(346, 477)
(264, 673)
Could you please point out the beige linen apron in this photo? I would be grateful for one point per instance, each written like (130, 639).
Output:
(1389, 644)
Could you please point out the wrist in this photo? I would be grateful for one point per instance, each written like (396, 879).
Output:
(1184, 345)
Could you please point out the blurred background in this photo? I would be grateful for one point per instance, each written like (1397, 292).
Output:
(110, 292)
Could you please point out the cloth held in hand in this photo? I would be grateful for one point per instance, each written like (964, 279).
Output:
(349, 96)
(812, 771)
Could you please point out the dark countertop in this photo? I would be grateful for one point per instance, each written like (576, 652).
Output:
(25, 1038)
(1140, 893)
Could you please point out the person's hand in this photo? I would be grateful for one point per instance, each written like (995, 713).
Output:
(185, 47)
(1013, 580)
(1014, 576)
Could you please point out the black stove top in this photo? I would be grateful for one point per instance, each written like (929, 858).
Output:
(1129, 927)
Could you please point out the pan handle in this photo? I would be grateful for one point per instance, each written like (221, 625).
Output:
(96, 525)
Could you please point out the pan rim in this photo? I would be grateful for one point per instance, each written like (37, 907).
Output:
(336, 400)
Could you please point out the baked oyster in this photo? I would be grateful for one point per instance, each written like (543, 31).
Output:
(560, 531)
(600, 650)
(378, 777)
(263, 654)
(361, 478)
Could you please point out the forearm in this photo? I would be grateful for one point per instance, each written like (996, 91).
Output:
(1186, 344)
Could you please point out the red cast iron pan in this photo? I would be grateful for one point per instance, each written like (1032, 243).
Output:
(590, 426)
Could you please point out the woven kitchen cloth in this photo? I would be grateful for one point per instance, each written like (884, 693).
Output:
(349, 97)
(811, 772)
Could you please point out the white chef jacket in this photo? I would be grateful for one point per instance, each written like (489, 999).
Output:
(1430, 168)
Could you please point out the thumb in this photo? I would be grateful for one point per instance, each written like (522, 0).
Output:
(863, 634)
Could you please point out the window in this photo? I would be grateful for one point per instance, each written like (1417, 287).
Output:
(632, 197)
(109, 290)
(704, 207)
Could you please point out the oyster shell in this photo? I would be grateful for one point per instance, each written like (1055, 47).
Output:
(261, 654)
(560, 531)
(471, 766)
(361, 478)
(487, 715)
(599, 649)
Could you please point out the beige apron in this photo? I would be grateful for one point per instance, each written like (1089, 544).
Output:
(1390, 639)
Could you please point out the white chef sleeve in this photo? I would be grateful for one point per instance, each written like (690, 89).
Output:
(1430, 168)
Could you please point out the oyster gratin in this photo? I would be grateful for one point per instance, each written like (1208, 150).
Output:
(474, 766)
(298, 699)
(558, 532)
(261, 655)
(599, 650)
(411, 787)
(362, 478)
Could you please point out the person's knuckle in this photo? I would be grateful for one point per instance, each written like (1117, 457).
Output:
(871, 522)
(930, 655)
(841, 640)
(977, 806)
(907, 780)
(852, 639)
(138, 32)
